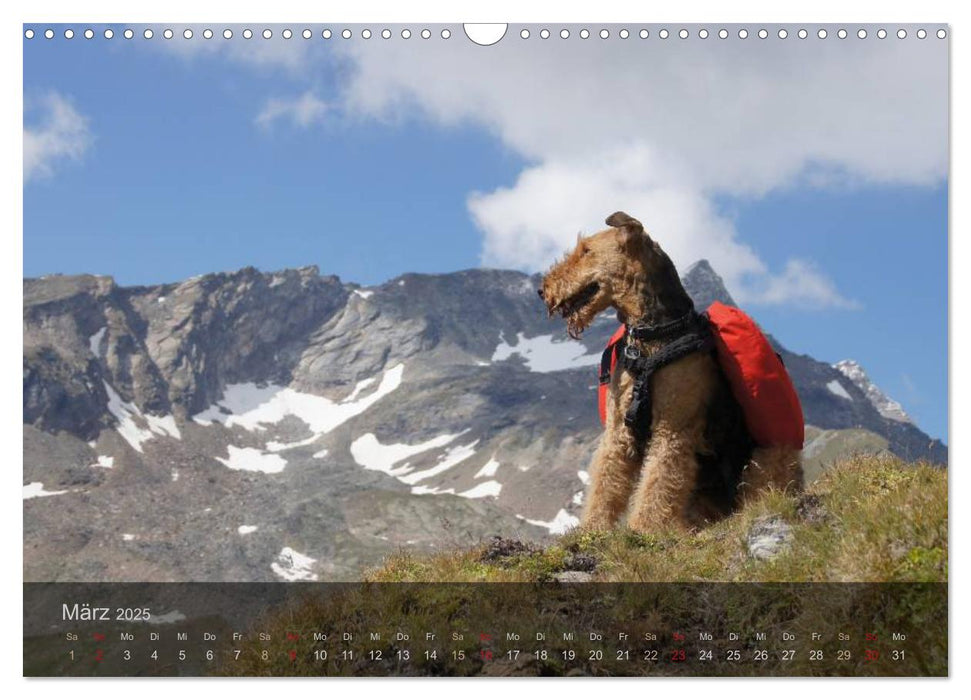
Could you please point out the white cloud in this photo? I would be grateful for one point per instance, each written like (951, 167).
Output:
(659, 129)
(302, 111)
(800, 282)
(61, 133)
(276, 53)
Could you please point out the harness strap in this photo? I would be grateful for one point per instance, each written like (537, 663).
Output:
(638, 415)
(675, 327)
(607, 359)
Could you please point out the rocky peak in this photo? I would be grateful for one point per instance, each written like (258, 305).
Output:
(705, 286)
(886, 406)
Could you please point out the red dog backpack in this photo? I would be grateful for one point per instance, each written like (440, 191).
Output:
(755, 373)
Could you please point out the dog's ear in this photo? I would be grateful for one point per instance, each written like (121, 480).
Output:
(628, 224)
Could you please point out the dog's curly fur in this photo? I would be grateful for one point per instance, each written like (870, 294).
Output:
(699, 462)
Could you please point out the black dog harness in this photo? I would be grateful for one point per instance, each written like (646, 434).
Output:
(685, 335)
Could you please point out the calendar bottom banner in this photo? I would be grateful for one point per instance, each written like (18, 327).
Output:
(479, 629)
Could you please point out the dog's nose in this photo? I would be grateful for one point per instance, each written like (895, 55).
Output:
(540, 292)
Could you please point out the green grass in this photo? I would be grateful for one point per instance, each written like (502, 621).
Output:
(870, 518)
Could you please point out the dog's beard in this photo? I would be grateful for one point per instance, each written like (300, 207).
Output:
(575, 325)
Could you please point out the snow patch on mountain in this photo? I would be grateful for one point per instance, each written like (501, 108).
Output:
(246, 529)
(104, 461)
(543, 354)
(249, 459)
(486, 489)
(430, 491)
(168, 618)
(129, 416)
(886, 407)
(35, 489)
(94, 342)
(253, 407)
(836, 388)
(358, 388)
(291, 565)
(560, 524)
(489, 469)
(273, 446)
(368, 451)
(453, 456)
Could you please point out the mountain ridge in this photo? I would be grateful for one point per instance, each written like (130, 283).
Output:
(287, 401)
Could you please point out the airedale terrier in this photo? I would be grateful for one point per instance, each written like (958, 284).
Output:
(693, 460)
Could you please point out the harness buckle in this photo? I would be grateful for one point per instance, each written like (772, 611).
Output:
(631, 352)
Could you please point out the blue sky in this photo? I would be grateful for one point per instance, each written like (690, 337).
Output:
(152, 164)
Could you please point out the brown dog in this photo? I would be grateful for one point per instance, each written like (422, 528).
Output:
(698, 461)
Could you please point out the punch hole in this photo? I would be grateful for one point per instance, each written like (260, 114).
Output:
(326, 34)
(901, 33)
(385, 33)
(803, 33)
(307, 34)
(524, 34)
(624, 33)
(921, 34)
(643, 34)
(425, 34)
(722, 33)
(861, 33)
(405, 33)
(683, 34)
(763, 34)
(366, 34)
(89, 34)
(604, 34)
(881, 33)
(702, 33)
(207, 34)
(841, 33)
(346, 34)
(564, 33)
(446, 33)
(267, 34)
(29, 34)
(148, 34)
(187, 34)
(247, 33)
(941, 34)
(68, 33)
(663, 33)
(783, 34)
(129, 34)
(168, 34)
(287, 34)
(584, 34)
(743, 33)
(227, 34)
(545, 34)
(821, 33)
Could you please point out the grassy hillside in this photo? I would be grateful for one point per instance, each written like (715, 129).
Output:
(871, 518)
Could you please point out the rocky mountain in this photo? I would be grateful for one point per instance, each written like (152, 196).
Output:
(287, 425)
(886, 407)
